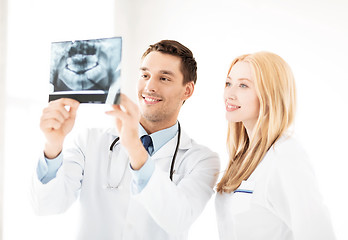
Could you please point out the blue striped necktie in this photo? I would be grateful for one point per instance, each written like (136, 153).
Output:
(147, 142)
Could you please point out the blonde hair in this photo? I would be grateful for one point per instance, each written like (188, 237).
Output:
(275, 88)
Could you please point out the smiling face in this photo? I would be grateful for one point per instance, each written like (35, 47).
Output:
(241, 101)
(161, 91)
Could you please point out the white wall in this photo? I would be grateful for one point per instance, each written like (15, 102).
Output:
(32, 27)
(3, 45)
(310, 35)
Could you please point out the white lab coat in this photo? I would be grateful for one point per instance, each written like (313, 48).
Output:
(162, 210)
(285, 203)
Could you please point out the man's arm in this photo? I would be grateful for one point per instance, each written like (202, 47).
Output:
(56, 122)
(47, 168)
(127, 116)
(57, 194)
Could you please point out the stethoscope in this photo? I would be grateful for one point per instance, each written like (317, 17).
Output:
(109, 186)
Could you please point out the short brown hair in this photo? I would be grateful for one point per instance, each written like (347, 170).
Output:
(188, 62)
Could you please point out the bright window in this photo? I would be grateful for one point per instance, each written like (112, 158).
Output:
(32, 26)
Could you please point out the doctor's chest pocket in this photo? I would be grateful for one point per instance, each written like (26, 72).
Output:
(240, 200)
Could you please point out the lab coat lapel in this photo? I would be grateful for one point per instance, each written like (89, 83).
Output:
(113, 132)
(168, 149)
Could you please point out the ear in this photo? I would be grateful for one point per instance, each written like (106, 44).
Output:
(189, 88)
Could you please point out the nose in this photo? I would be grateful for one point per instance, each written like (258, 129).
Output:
(151, 85)
(230, 93)
(232, 97)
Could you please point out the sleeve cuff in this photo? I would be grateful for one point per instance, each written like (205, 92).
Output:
(48, 168)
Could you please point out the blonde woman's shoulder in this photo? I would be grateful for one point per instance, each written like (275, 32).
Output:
(288, 144)
(289, 154)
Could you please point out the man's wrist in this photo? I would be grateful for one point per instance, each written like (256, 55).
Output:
(138, 156)
(52, 151)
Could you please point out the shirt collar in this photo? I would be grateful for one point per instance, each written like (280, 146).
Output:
(161, 137)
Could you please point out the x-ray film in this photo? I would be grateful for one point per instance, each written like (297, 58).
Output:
(86, 70)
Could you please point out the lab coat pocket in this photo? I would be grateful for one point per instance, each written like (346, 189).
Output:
(241, 198)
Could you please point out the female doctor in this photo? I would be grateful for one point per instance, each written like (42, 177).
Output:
(268, 190)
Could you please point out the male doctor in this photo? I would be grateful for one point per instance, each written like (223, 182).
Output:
(130, 185)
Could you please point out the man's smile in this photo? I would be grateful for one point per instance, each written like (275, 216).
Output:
(150, 99)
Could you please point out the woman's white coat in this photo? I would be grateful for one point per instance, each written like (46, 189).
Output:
(280, 200)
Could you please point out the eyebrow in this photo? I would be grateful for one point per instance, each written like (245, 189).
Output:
(240, 79)
(247, 79)
(161, 71)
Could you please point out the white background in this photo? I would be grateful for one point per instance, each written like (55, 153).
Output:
(310, 35)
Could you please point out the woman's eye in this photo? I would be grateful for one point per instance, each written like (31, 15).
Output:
(227, 84)
(243, 86)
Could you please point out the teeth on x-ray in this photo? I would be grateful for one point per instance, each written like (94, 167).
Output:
(86, 65)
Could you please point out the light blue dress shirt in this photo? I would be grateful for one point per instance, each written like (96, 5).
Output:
(143, 175)
(47, 168)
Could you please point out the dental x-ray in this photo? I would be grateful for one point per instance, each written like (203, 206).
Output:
(86, 70)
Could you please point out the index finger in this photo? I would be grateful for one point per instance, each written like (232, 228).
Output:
(66, 102)
(128, 104)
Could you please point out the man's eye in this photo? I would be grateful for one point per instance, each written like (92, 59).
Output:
(164, 79)
(144, 76)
